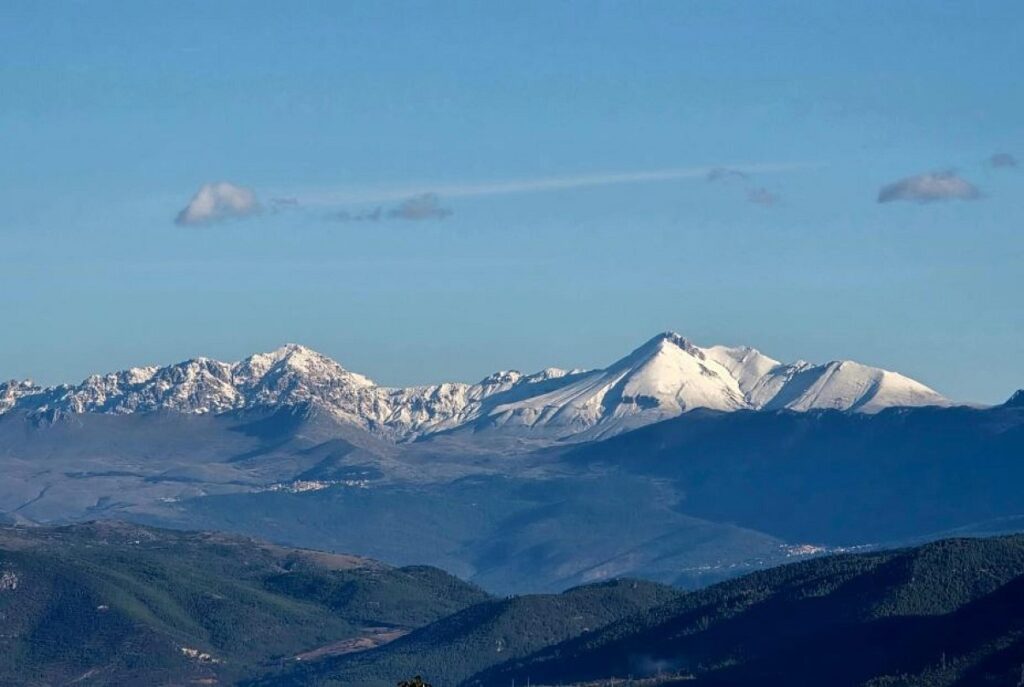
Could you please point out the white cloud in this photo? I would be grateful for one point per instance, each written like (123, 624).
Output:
(928, 188)
(218, 201)
(223, 200)
(534, 185)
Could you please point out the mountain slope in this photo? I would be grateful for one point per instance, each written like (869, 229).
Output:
(454, 648)
(507, 535)
(1016, 400)
(828, 477)
(664, 377)
(299, 476)
(98, 465)
(948, 613)
(110, 603)
(688, 501)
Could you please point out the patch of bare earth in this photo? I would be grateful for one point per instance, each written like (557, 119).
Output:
(373, 638)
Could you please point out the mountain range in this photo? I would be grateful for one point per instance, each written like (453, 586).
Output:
(666, 376)
(678, 464)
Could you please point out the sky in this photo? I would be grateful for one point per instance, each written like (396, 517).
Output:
(434, 191)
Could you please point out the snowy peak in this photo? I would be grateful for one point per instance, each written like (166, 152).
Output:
(673, 372)
(502, 378)
(666, 341)
(288, 375)
(13, 390)
(664, 377)
(296, 359)
(669, 375)
(296, 374)
(841, 385)
(746, 365)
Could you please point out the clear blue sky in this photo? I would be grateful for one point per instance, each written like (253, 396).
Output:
(112, 115)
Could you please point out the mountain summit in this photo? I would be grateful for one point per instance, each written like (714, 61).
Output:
(669, 375)
(666, 376)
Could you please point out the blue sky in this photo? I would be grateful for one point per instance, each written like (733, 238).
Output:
(113, 115)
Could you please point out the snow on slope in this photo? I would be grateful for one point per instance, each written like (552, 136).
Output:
(841, 385)
(759, 377)
(11, 392)
(664, 377)
(848, 385)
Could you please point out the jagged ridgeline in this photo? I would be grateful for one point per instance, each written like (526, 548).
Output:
(662, 378)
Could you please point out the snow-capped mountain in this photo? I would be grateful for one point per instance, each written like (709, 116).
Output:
(663, 378)
(669, 375)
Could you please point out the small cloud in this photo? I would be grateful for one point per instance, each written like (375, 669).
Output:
(758, 195)
(1002, 160)
(929, 188)
(346, 216)
(762, 196)
(218, 201)
(726, 174)
(283, 204)
(423, 206)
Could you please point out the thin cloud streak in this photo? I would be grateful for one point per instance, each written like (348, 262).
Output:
(542, 184)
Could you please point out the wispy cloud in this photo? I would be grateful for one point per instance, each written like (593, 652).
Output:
(224, 200)
(354, 195)
(758, 195)
(423, 206)
(1002, 160)
(726, 174)
(218, 201)
(929, 188)
(762, 196)
(373, 215)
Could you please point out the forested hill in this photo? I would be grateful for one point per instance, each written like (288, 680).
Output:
(944, 614)
(455, 648)
(114, 604)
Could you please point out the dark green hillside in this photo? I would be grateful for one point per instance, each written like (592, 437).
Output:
(454, 648)
(115, 604)
(109, 603)
(406, 597)
(948, 613)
